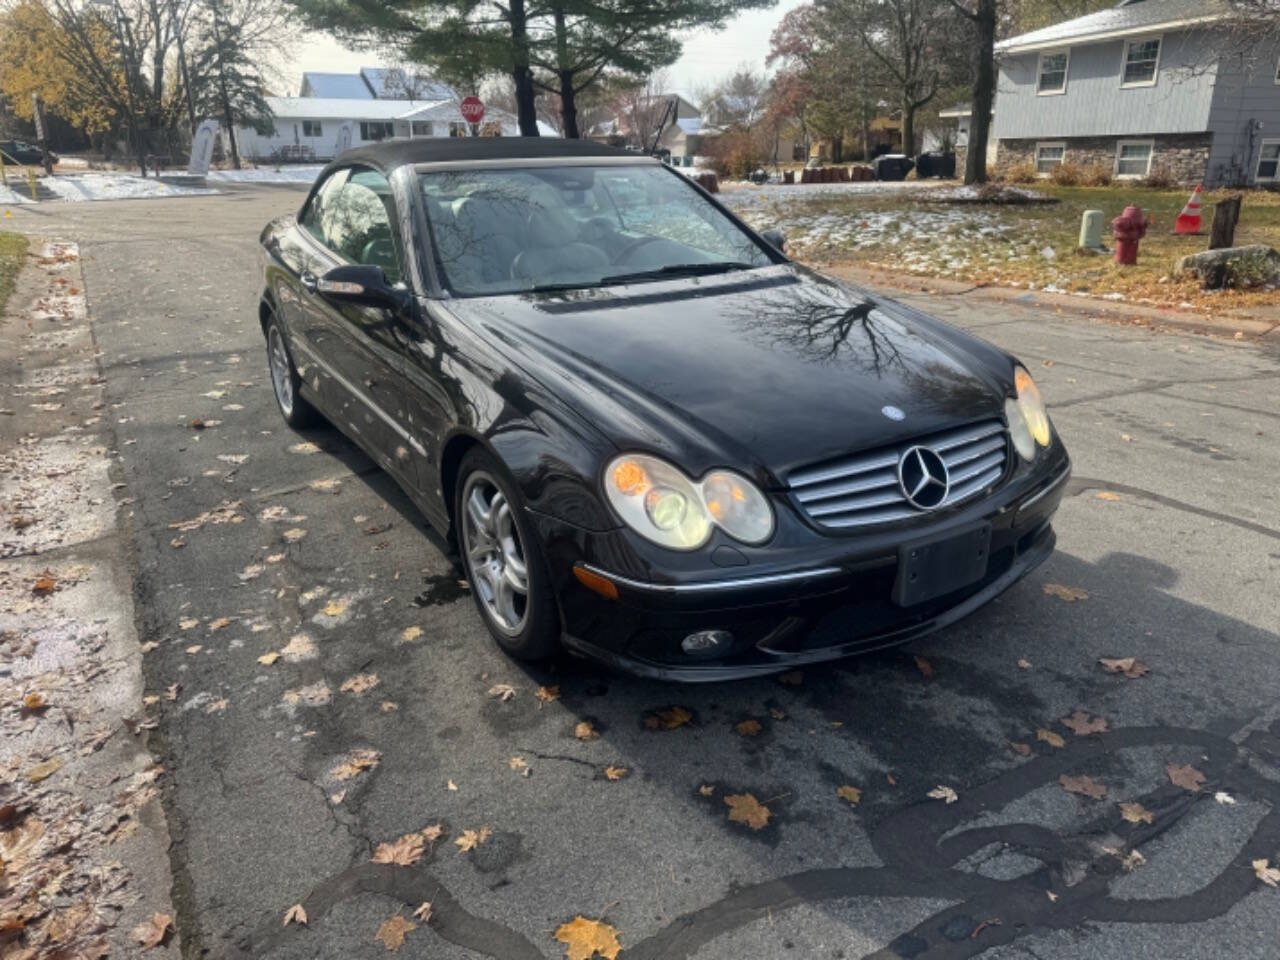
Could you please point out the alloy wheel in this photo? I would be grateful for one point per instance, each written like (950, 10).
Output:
(281, 375)
(494, 554)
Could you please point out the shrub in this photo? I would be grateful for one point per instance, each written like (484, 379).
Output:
(1067, 174)
(1020, 173)
(737, 153)
(1096, 175)
(1159, 178)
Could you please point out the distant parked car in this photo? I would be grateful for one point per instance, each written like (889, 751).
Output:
(19, 151)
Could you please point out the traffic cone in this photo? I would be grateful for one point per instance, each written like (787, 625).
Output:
(1189, 218)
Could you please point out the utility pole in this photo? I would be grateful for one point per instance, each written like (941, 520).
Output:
(182, 65)
(42, 132)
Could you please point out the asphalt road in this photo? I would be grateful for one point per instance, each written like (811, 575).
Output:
(1169, 541)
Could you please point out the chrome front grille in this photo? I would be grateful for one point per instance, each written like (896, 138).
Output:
(863, 489)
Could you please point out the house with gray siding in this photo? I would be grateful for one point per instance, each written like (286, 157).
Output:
(1149, 86)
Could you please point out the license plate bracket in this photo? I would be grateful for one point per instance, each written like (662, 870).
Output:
(936, 566)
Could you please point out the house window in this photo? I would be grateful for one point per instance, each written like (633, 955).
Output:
(1269, 161)
(1053, 73)
(458, 128)
(312, 128)
(421, 128)
(1141, 57)
(1133, 158)
(1049, 156)
(376, 130)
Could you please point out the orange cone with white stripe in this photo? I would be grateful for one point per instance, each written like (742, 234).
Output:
(1189, 218)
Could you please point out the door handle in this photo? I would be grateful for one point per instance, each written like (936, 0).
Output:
(308, 280)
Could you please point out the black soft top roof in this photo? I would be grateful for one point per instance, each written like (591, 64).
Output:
(396, 153)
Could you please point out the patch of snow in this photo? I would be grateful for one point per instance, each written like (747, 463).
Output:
(115, 186)
(305, 173)
(1048, 253)
(9, 195)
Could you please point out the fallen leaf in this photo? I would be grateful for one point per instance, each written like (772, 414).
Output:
(547, 694)
(1266, 873)
(177, 543)
(1107, 495)
(1224, 798)
(216, 706)
(1053, 897)
(393, 931)
(404, 852)
(668, 718)
(1186, 776)
(584, 939)
(943, 793)
(152, 933)
(1024, 664)
(615, 773)
(1051, 738)
(410, 634)
(1136, 813)
(433, 833)
(150, 700)
(171, 692)
(295, 534)
(777, 714)
(749, 728)
(1083, 785)
(267, 659)
(42, 771)
(706, 790)
(1132, 860)
(1069, 594)
(518, 763)
(744, 808)
(584, 731)
(388, 706)
(295, 914)
(502, 692)
(359, 684)
(423, 912)
(1082, 724)
(194, 649)
(851, 794)
(186, 623)
(925, 668)
(300, 647)
(1129, 666)
(793, 678)
(219, 623)
(356, 763)
(893, 782)
(1126, 438)
(451, 787)
(334, 608)
(34, 702)
(1021, 749)
(471, 839)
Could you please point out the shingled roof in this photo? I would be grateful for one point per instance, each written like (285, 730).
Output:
(1129, 18)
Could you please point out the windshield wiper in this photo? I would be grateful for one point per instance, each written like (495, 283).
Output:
(679, 270)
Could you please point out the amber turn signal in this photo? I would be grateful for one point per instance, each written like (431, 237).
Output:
(595, 582)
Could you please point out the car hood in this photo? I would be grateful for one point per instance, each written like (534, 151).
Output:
(765, 371)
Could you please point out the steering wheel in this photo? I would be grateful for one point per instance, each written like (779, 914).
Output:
(631, 247)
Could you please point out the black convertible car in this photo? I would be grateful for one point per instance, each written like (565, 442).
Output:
(653, 439)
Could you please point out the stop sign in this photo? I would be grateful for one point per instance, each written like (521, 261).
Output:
(472, 110)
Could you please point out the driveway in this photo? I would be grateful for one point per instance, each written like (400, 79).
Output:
(326, 686)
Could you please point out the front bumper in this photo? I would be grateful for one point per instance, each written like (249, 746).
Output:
(837, 601)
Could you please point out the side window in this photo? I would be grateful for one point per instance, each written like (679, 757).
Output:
(313, 216)
(358, 222)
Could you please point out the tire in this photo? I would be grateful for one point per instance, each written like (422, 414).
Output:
(501, 556)
(285, 382)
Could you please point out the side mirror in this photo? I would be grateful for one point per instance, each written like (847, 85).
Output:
(775, 238)
(362, 284)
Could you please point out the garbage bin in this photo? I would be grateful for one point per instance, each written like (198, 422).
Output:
(935, 165)
(893, 166)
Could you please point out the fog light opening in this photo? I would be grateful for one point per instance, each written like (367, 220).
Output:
(707, 643)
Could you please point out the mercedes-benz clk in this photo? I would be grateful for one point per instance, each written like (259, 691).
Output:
(652, 438)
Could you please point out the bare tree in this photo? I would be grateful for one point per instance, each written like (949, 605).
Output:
(643, 108)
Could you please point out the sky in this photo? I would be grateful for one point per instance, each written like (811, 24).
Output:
(709, 56)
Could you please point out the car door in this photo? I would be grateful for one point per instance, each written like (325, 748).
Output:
(363, 345)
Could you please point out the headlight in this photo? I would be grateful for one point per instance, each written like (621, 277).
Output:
(1028, 421)
(663, 505)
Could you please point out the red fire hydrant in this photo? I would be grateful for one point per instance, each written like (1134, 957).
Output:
(1128, 228)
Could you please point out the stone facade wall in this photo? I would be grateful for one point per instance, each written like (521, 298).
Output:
(1184, 156)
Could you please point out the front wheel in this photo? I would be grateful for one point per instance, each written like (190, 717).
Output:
(297, 412)
(504, 566)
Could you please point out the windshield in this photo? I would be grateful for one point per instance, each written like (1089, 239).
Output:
(565, 227)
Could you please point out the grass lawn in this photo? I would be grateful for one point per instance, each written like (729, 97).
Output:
(1030, 246)
(13, 248)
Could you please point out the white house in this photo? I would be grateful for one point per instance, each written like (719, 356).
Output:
(309, 128)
